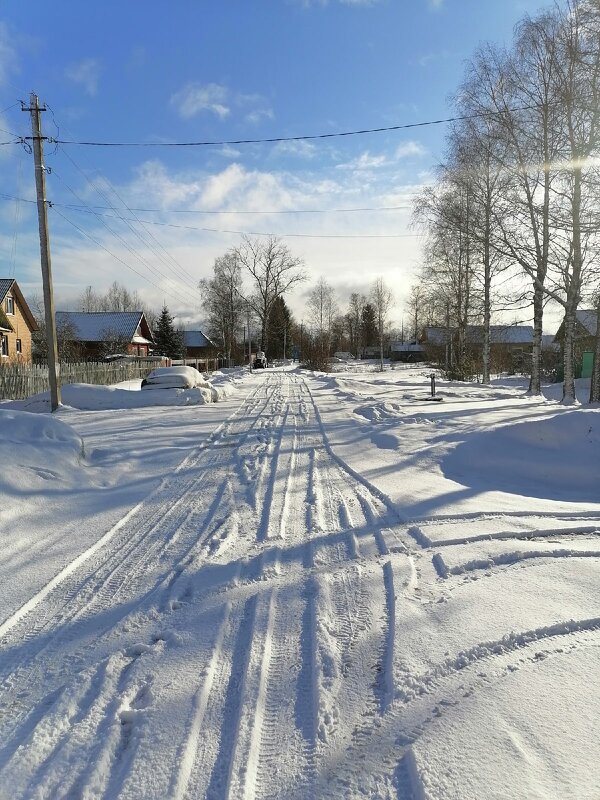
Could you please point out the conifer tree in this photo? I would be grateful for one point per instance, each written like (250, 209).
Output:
(167, 340)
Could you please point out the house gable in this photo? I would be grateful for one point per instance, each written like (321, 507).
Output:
(16, 322)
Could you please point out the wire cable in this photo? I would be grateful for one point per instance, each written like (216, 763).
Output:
(110, 253)
(266, 212)
(307, 137)
(181, 273)
(263, 233)
(124, 242)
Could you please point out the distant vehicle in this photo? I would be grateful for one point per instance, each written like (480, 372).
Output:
(182, 377)
(260, 360)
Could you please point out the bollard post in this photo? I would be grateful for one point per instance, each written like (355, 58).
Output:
(432, 377)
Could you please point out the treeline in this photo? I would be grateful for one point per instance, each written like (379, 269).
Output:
(245, 300)
(512, 221)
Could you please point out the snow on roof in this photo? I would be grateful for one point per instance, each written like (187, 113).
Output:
(437, 335)
(406, 347)
(499, 334)
(588, 317)
(95, 326)
(196, 339)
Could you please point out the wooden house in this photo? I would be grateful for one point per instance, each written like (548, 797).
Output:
(17, 323)
(198, 345)
(510, 345)
(97, 334)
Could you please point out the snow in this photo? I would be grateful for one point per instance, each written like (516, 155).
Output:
(317, 586)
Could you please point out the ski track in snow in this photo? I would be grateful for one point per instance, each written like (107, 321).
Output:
(243, 627)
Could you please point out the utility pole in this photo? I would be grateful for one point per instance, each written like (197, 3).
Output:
(42, 207)
(249, 338)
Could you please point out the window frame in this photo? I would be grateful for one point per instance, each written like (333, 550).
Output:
(10, 305)
(3, 345)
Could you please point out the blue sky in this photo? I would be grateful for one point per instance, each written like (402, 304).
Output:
(154, 72)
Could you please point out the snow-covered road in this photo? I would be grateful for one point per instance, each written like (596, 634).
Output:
(264, 624)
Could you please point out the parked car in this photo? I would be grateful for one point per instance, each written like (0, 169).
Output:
(181, 377)
(260, 360)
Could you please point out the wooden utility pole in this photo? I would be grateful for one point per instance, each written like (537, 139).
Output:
(42, 207)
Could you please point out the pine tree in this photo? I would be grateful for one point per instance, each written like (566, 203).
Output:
(369, 325)
(167, 340)
(279, 329)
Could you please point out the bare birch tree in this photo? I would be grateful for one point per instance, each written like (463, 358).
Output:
(381, 300)
(272, 270)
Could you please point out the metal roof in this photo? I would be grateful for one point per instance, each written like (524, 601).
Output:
(96, 326)
(499, 334)
(406, 347)
(196, 339)
(5, 285)
(588, 317)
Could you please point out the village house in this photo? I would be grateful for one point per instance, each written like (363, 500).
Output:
(511, 346)
(198, 345)
(17, 323)
(584, 343)
(97, 334)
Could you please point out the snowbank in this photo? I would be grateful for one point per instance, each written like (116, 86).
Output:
(556, 458)
(88, 397)
(40, 446)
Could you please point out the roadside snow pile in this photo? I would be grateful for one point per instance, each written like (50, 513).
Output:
(39, 450)
(180, 377)
(89, 397)
(556, 458)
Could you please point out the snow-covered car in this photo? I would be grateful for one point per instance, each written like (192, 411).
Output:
(260, 360)
(181, 377)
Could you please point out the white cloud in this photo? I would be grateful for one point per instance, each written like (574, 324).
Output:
(368, 161)
(214, 98)
(86, 73)
(197, 239)
(254, 117)
(410, 148)
(364, 161)
(298, 149)
(194, 99)
(435, 5)
(8, 55)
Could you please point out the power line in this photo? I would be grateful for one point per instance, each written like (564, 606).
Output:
(85, 209)
(265, 212)
(106, 250)
(260, 233)
(182, 274)
(306, 137)
(123, 241)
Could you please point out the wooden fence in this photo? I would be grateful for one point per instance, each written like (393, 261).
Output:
(19, 381)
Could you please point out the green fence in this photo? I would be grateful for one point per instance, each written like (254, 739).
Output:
(19, 381)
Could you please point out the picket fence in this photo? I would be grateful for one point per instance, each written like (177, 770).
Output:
(19, 381)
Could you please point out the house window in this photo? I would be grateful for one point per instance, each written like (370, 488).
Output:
(10, 305)
(4, 346)
(19, 347)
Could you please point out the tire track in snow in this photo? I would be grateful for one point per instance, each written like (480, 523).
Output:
(188, 750)
(222, 771)
(159, 497)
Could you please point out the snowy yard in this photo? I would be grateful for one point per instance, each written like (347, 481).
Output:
(321, 586)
